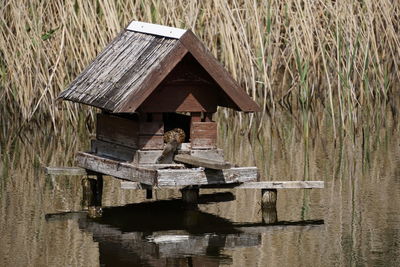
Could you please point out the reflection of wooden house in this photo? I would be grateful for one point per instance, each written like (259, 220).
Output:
(148, 80)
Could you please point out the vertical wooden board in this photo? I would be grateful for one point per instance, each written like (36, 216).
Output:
(116, 151)
(118, 130)
(151, 128)
(151, 142)
(189, 97)
(222, 77)
(202, 143)
(203, 135)
(213, 154)
(204, 129)
(146, 157)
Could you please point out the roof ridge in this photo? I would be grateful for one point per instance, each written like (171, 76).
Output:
(155, 29)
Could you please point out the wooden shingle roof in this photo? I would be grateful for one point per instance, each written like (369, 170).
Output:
(128, 70)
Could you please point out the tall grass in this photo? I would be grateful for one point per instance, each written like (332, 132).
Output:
(336, 56)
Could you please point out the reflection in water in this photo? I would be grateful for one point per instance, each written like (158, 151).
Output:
(166, 233)
(359, 206)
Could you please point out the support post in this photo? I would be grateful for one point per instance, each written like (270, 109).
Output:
(92, 195)
(88, 190)
(190, 196)
(99, 190)
(149, 193)
(268, 205)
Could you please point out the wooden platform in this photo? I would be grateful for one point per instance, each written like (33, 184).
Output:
(159, 167)
(250, 185)
(154, 176)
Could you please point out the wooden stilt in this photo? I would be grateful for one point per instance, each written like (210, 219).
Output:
(268, 205)
(99, 190)
(88, 189)
(190, 196)
(92, 195)
(149, 193)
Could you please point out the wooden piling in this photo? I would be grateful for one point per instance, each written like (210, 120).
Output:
(99, 190)
(149, 193)
(190, 195)
(88, 190)
(92, 195)
(268, 205)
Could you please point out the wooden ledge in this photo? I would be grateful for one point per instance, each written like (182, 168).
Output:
(202, 162)
(115, 168)
(249, 185)
(274, 185)
(67, 171)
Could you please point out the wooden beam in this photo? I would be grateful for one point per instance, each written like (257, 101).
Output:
(115, 168)
(68, 171)
(202, 162)
(134, 185)
(214, 154)
(112, 150)
(273, 185)
(180, 178)
(155, 29)
(162, 166)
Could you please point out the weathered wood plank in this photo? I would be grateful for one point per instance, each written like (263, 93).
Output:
(213, 154)
(203, 143)
(65, 171)
(147, 157)
(151, 142)
(199, 176)
(118, 130)
(206, 129)
(151, 128)
(162, 166)
(203, 135)
(155, 74)
(150, 156)
(189, 97)
(202, 162)
(275, 185)
(155, 29)
(108, 149)
(116, 168)
(134, 185)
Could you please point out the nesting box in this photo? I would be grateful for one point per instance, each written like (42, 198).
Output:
(151, 79)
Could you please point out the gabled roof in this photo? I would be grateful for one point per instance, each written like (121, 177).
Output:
(128, 70)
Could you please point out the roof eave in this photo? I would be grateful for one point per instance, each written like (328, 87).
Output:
(221, 76)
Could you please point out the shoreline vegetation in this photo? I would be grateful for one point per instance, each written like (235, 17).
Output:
(311, 60)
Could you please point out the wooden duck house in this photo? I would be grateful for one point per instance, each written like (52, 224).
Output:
(149, 80)
(157, 88)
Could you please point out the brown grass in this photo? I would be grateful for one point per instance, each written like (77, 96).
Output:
(302, 56)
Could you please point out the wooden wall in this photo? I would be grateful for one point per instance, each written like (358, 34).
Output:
(129, 132)
(120, 136)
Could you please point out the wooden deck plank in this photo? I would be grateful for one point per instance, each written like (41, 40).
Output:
(115, 168)
(68, 171)
(252, 185)
(202, 162)
(162, 166)
(199, 176)
(273, 185)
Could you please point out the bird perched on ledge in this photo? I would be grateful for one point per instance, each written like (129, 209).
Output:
(173, 139)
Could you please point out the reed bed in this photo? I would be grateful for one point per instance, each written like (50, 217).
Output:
(338, 57)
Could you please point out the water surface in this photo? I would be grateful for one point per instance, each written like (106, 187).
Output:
(359, 206)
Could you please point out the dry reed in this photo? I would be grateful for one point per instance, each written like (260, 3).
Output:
(303, 56)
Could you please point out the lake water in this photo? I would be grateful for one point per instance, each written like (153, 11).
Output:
(354, 221)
